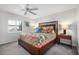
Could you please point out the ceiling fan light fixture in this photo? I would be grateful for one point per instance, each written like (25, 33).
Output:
(27, 9)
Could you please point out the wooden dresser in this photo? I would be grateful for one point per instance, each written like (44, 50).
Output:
(65, 39)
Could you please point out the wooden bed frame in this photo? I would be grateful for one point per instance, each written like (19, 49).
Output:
(39, 51)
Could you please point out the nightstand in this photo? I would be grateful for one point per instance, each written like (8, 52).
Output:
(65, 39)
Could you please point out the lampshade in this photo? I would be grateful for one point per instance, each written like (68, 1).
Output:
(65, 26)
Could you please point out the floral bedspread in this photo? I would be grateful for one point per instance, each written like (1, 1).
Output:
(38, 39)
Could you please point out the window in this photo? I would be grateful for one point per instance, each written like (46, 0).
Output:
(14, 25)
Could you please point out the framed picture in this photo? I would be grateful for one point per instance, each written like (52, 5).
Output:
(27, 24)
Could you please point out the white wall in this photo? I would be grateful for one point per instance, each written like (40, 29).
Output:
(6, 37)
(78, 28)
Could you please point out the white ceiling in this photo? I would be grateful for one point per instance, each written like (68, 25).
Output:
(44, 9)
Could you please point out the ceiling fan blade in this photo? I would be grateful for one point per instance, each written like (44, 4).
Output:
(23, 9)
(26, 6)
(32, 13)
(25, 13)
(34, 9)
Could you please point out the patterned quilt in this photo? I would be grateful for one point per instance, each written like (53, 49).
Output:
(38, 39)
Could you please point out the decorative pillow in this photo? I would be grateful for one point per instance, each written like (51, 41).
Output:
(44, 29)
(53, 31)
(37, 30)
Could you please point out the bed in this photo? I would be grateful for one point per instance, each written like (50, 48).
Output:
(39, 43)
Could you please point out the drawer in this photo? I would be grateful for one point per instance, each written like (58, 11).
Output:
(65, 37)
(65, 41)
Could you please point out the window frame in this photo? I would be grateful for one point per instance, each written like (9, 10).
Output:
(15, 26)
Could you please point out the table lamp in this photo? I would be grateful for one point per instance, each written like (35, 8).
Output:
(64, 27)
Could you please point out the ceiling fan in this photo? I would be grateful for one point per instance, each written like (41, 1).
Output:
(26, 9)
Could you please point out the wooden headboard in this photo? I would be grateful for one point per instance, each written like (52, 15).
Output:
(52, 23)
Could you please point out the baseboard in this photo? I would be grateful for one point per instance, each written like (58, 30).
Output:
(8, 43)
